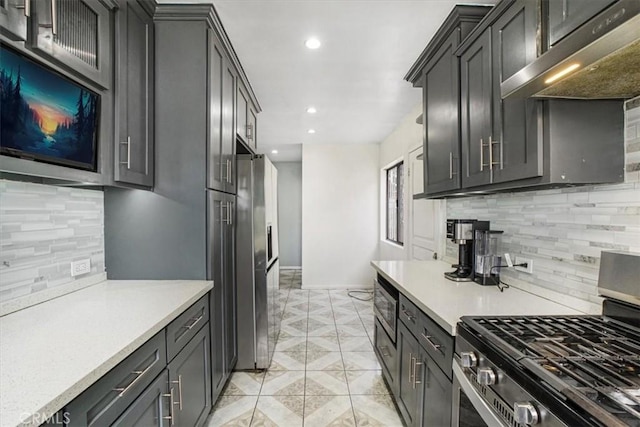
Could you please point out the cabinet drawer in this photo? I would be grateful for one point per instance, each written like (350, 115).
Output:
(106, 399)
(409, 314)
(181, 330)
(387, 354)
(437, 343)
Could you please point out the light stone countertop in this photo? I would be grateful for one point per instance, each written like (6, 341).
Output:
(445, 301)
(51, 352)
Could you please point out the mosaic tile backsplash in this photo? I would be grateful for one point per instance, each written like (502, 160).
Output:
(42, 230)
(564, 230)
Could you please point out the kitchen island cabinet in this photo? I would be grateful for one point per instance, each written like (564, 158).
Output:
(116, 322)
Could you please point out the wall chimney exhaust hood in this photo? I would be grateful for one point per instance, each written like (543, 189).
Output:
(599, 60)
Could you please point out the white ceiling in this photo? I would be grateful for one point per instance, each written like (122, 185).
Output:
(355, 79)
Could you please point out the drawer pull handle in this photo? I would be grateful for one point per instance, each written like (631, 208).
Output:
(194, 322)
(416, 363)
(179, 382)
(139, 374)
(436, 347)
(409, 315)
(385, 351)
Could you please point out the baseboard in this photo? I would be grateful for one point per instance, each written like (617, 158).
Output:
(336, 287)
(290, 267)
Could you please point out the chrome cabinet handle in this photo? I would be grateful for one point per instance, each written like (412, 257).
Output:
(128, 143)
(491, 143)
(26, 7)
(199, 318)
(385, 351)
(409, 315)
(411, 368)
(54, 17)
(481, 155)
(229, 216)
(140, 374)
(435, 346)
(416, 363)
(490, 153)
(171, 415)
(179, 382)
(228, 170)
(450, 164)
(249, 131)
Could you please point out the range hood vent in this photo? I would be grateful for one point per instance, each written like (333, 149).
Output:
(601, 60)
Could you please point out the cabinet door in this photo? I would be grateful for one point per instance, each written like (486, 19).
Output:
(189, 377)
(567, 15)
(442, 130)
(216, 164)
(436, 395)
(151, 408)
(475, 110)
(518, 151)
(252, 128)
(229, 250)
(228, 127)
(215, 272)
(13, 18)
(242, 117)
(134, 151)
(76, 33)
(408, 384)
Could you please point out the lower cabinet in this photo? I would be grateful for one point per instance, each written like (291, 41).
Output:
(418, 368)
(151, 408)
(143, 390)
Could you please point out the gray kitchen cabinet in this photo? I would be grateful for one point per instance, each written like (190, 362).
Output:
(14, 15)
(151, 408)
(408, 384)
(77, 34)
(135, 95)
(387, 354)
(246, 118)
(475, 111)
(186, 326)
(228, 148)
(190, 381)
(223, 296)
(567, 15)
(103, 402)
(517, 143)
(437, 72)
(216, 165)
(435, 393)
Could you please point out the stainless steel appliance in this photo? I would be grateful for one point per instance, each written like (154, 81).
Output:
(486, 257)
(460, 231)
(257, 272)
(385, 305)
(555, 370)
(585, 58)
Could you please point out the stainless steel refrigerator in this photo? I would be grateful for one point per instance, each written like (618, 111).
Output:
(257, 266)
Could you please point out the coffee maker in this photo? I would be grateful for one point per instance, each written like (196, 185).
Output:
(486, 257)
(461, 232)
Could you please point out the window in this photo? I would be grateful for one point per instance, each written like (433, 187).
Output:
(395, 199)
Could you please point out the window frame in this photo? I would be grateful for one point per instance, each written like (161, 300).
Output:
(398, 217)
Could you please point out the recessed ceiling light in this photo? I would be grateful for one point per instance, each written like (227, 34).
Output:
(311, 110)
(274, 151)
(311, 131)
(312, 43)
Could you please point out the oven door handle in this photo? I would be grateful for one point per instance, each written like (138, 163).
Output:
(482, 407)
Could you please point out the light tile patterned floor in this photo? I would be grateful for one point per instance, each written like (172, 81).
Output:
(324, 371)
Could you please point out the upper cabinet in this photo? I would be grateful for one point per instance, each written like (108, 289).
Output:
(13, 18)
(437, 72)
(134, 100)
(567, 15)
(76, 34)
(246, 118)
(476, 141)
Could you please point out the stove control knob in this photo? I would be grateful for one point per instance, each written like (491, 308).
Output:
(469, 359)
(486, 376)
(525, 413)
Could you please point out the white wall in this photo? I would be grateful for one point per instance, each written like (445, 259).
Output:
(290, 213)
(339, 215)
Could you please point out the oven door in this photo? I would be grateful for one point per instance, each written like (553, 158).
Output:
(468, 408)
(385, 306)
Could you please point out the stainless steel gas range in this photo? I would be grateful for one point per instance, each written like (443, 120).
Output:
(518, 371)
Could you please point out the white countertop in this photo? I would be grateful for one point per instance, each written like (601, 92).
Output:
(445, 301)
(52, 352)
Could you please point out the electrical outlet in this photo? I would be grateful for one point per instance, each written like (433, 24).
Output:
(528, 269)
(81, 266)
